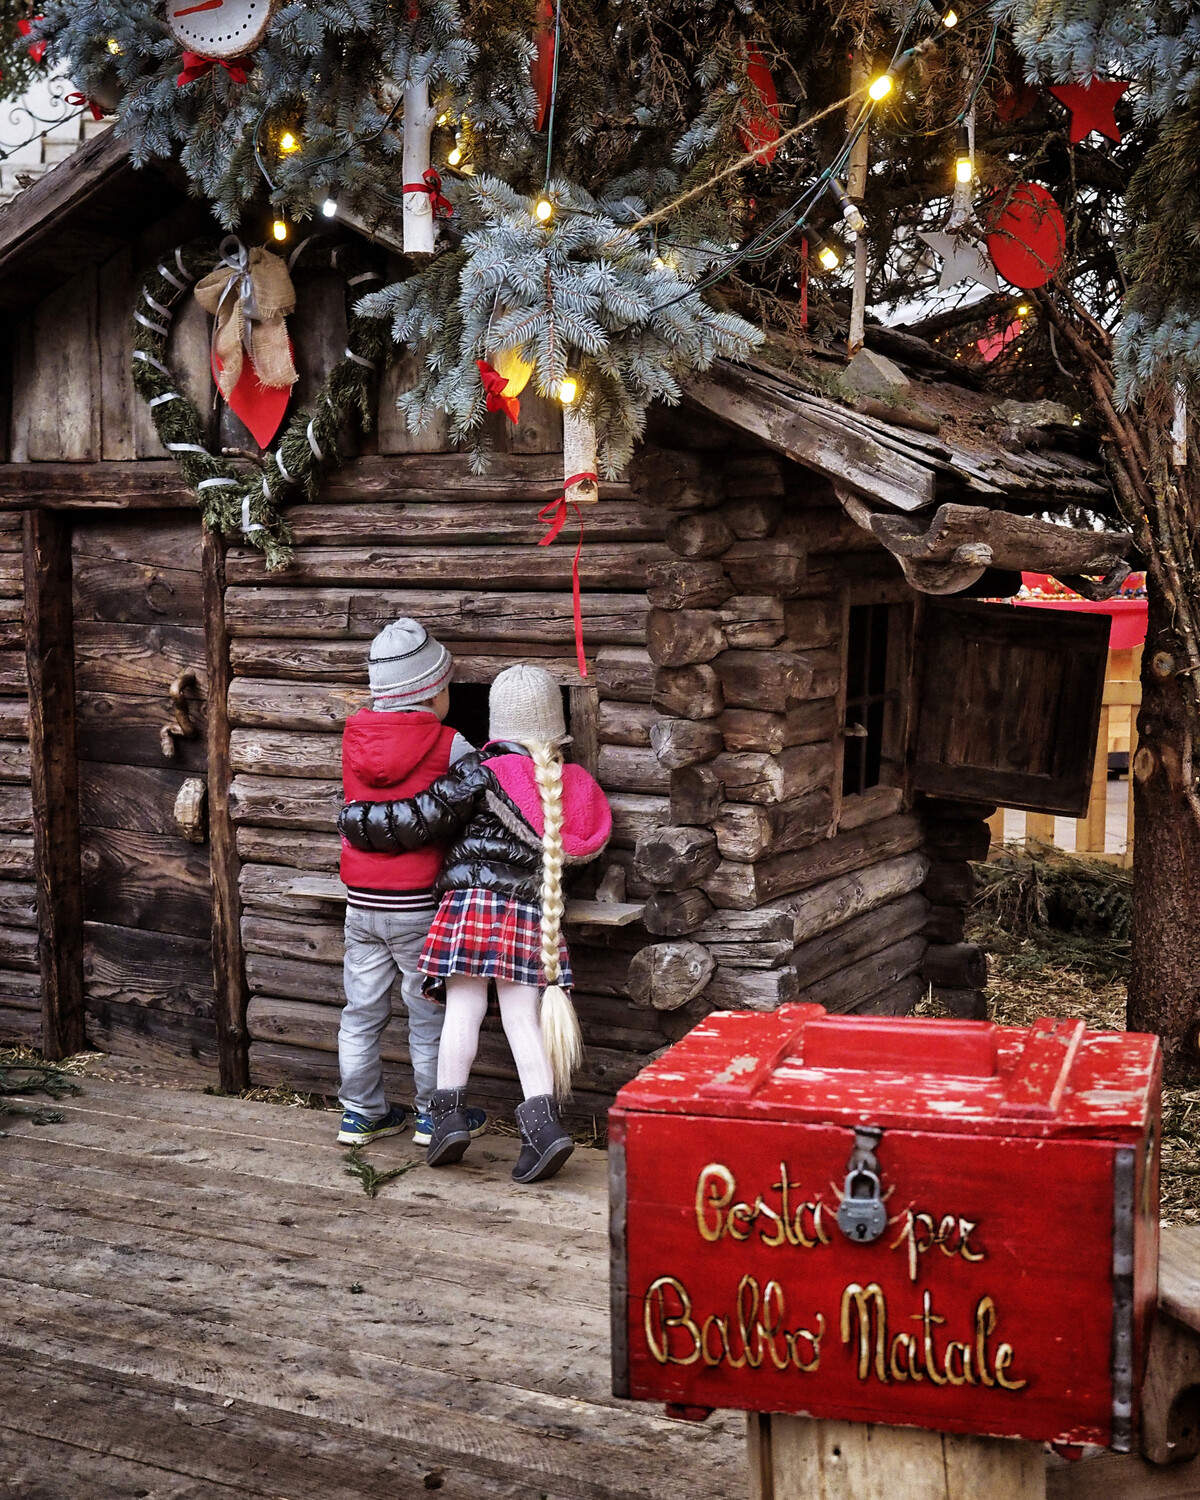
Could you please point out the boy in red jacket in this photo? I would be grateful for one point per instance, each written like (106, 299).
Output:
(393, 749)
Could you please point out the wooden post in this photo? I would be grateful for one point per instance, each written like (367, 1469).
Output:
(795, 1458)
(1039, 831)
(856, 186)
(54, 777)
(230, 992)
(1090, 829)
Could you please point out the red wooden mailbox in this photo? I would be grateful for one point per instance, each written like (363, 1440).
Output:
(931, 1223)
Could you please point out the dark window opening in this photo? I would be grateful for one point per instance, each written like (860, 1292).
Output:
(872, 696)
(469, 710)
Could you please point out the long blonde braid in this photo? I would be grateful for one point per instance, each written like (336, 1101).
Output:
(560, 1024)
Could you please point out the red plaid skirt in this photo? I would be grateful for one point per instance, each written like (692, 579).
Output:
(479, 932)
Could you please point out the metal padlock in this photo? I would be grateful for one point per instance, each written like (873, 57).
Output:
(861, 1215)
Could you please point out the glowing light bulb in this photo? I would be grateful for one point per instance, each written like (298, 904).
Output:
(950, 20)
(443, 119)
(828, 257)
(329, 208)
(568, 389)
(114, 46)
(288, 142)
(881, 87)
(454, 156)
(280, 229)
(543, 211)
(964, 168)
(1023, 310)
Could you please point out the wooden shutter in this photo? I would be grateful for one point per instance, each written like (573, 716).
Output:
(1008, 704)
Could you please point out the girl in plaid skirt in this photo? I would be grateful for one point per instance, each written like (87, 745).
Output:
(516, 816)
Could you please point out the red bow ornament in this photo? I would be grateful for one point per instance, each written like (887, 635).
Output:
(554, 516)
(78, 100)
(38, 49)
(196, 65)
(432, 184)
(495, 384)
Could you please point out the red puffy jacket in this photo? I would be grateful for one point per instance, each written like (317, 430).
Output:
(386, 756)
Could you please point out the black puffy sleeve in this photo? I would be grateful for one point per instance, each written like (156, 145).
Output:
(433, 816)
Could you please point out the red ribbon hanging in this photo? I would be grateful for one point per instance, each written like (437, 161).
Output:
(196, 65)
(554, 516)
(494, 384)
(432, 184)
(38, 50)
(79, 100)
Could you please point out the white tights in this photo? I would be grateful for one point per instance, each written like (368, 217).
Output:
(466, 1006)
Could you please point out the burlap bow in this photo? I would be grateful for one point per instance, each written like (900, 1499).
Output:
(250, 294)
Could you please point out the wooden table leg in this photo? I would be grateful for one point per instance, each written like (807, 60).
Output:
(794, 1458)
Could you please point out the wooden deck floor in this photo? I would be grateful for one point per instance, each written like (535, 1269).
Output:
(196, 1303)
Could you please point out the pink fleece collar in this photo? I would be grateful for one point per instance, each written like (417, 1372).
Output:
(587, 821)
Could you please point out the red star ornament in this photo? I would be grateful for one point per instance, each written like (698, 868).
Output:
(1091, 105)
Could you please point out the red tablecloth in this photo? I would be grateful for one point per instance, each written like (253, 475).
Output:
(1128, 615)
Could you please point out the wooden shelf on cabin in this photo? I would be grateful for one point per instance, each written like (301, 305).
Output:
(579, 913)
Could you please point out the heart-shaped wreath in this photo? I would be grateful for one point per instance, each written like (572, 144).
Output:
(231, 499)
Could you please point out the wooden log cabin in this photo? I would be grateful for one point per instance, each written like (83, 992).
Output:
(800, 735)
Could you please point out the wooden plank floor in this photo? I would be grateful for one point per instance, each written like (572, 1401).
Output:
(199, 1302)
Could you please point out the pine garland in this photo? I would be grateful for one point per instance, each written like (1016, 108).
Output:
(231, 500)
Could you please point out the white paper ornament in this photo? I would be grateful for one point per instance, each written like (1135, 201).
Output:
(219, 28)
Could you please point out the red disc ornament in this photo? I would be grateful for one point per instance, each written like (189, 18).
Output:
(759, 124)
(541, 74)
(1027, 238)
(1092, 107)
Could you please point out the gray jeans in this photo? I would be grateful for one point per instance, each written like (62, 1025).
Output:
(380, 945)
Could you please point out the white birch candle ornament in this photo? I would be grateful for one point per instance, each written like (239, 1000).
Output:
(579, 458)
(418, 132)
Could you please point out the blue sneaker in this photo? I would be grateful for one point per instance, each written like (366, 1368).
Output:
(357, 1130)
(423, 1125)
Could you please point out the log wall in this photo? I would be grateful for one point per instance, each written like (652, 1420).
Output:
(459, 554)
(767, 884)
(716, 585)
(20, 987)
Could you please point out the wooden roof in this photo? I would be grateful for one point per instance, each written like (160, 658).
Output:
(890, 462)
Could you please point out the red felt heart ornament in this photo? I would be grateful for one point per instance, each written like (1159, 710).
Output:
(1027, 238)
(759, 124)
(260, 408)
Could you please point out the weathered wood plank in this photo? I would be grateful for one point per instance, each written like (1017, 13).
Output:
(139, 799)
(14, 760)
(602, 566)
(137, 658)
(274, 846)
(451, 615)
(18, 904)
(146, 880)
(162, 541)
(466, 523)
(183, 1043)
(134, 593)
(16, 856)
(56, 390)
(746, 886)
(269, 752)
(285, 802)
(54, 791)
(127, 966)
(289, 659)
(255, 704)
(231, 995)
(125, 729)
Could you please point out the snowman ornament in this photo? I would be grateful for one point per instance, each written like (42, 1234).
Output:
(219, 28)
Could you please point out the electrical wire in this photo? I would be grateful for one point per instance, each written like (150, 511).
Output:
(553, 96)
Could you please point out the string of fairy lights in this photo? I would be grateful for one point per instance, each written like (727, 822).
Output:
(790, 221)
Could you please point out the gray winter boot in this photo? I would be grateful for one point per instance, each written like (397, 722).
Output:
(545, 1144)
(451, 1133)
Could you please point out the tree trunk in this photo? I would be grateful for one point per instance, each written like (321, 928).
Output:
(1164, 980)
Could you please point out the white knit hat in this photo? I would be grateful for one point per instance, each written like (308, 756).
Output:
(525, 705)
(407, 666)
